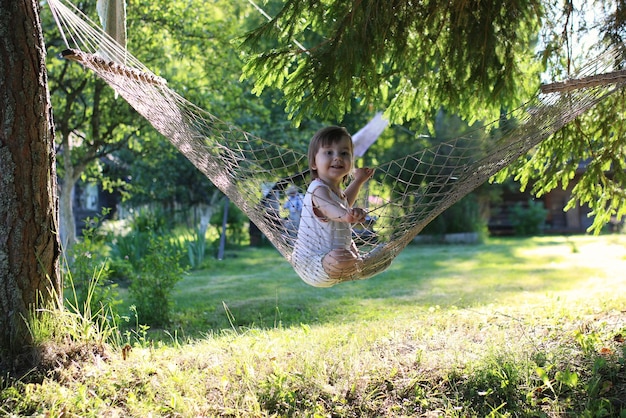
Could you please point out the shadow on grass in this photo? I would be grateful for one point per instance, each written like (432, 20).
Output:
(257, 288)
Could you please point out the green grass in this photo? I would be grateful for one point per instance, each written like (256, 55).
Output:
(259, 288)
(516, 327)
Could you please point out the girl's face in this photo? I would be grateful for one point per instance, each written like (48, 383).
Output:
(334, 161)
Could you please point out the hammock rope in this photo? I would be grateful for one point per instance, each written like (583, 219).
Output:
(404, 195)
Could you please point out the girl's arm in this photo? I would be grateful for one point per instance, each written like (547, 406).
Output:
(361, 175)
(329, 208)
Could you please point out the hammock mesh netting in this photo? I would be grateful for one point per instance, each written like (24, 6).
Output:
(254, 173)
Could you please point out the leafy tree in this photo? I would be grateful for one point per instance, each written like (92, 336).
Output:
(409, 58)
(529, 218)
(91, 124)
(593, 145)
(196, 54)
(94, 124)
(161, 176)
(473, 59)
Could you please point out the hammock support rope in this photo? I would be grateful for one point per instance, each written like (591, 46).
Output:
(613, 77)
(409, 192)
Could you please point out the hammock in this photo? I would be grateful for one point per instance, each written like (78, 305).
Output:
(254, 173)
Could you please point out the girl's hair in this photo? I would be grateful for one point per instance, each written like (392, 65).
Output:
(323, 138)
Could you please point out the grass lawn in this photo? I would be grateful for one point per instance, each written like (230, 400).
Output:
(259, 288)
(530, 327)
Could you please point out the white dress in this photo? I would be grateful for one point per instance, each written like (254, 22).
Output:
(317, 236)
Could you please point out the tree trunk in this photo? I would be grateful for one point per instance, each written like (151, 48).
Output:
(66, 209)
(29, 246)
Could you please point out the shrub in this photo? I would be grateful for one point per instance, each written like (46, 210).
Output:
(133, 247)
(130, 248)
(152, 286)
(528, 219)
(88, 274)
(121, 270)
(196, 248)
(463, 216)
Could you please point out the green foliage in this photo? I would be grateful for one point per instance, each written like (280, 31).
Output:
(464, 61)
(528, 219)
(120, 270)
(162, 175)
(494, 384)
(584, 387)
(413, 138)
(587, 156)
(89, 322)
(555, 383)
(91, 121)
(130, 249)
(88, 273)
(463, 216)
(151, 288)
(148, 221)
(137, 336)
(235, 220)
(196, 248)
(461, 59)
(194, 52)
(151, 260)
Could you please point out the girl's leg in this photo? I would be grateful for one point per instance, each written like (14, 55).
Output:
(341, 263)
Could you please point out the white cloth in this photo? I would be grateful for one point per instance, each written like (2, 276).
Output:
(317, 236)
(294, 205)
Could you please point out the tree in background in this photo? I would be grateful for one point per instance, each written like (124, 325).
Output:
(472, 59)
(596, 140)
(29, 246)
(198, 57)
(92, 124)
(408, 58)
(101, 140)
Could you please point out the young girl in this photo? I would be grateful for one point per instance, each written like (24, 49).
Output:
(324, 252)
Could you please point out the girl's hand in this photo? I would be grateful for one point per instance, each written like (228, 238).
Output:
(356, 215)
(363, 174)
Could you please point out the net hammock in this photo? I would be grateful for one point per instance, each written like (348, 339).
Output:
(255, 173)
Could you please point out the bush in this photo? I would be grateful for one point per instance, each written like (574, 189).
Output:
(196, 248)
(152, 286)
(129, 249)
(463, 216)
(88, 274)
(121, 270)
(133, 247)
(528, 219)
(151, 261)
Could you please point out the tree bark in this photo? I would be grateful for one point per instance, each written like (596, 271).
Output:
(29, 245)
